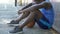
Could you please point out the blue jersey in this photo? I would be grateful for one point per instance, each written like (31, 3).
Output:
(49, 15)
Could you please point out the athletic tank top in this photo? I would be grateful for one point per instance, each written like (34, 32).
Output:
(48, 14)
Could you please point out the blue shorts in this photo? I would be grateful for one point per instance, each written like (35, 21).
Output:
(43, 23)
(46, 21)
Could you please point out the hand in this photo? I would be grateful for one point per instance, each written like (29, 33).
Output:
(19, 12)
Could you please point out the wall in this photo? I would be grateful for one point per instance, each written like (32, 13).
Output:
(56, 6)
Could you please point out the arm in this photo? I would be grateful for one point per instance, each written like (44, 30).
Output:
(25, 8)
(37, 6)
(41, 5)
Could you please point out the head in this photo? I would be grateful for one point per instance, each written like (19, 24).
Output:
(38, 1)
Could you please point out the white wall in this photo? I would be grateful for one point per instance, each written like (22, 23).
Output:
(56, 6)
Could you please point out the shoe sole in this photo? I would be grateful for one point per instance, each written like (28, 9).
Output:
(13, 25)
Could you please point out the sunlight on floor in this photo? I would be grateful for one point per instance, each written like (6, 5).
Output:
(5, 21)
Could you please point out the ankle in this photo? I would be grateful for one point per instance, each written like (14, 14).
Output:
(20, 27)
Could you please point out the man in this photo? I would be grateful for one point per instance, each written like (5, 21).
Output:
(39, 11)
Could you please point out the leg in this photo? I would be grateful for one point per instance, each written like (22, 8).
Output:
(29, 19)
(31, 24)
(24, 15)
(32, 14)
(16, 21)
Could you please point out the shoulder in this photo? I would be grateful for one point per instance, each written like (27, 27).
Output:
(47, 4)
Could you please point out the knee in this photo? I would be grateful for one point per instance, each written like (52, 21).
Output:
(33, 12)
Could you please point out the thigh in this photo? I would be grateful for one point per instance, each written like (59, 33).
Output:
(44, 23)
(31, 24)
(37, 19)
(43, 26)
(38, 15)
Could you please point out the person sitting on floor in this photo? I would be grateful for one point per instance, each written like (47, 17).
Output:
(39, 11)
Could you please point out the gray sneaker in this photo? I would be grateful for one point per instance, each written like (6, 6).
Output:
(16, 30)
(13, 23)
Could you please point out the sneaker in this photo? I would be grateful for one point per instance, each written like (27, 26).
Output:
(13, 23)
(16, 30)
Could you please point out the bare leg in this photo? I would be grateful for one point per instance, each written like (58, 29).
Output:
(30, 18)
(31, 24)
(18, 19)
(24, 15)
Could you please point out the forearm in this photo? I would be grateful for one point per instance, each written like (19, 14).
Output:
(41, 5)
(32, 8)
(36, 6)
(19, 12)
(27, 6)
